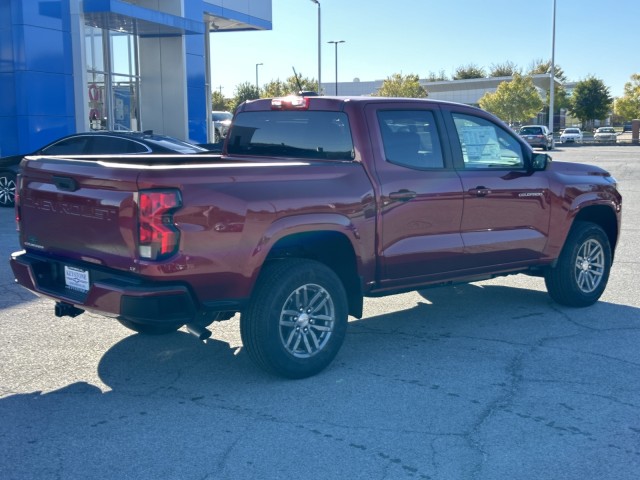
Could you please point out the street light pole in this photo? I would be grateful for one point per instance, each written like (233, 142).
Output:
(336, 42)
(319, 49)
(553, 70)
(257, 85)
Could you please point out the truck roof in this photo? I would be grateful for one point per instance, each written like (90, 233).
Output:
(335, 103)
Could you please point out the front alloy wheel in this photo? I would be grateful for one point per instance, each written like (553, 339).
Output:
(582, 271)
(590, 266)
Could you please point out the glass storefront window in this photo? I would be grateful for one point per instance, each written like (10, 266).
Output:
(125, 103)
(94, 49)
(113, 81)
(97, 108)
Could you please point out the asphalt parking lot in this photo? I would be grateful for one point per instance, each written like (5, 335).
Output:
(490, 380)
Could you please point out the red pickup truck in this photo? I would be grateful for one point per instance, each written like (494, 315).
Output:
(315, 203)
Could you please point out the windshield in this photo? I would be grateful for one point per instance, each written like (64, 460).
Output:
(572, 130)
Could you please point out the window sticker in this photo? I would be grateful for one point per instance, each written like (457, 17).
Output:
(481, 144)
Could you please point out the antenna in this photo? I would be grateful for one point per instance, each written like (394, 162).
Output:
(295, 74)
(303, 93)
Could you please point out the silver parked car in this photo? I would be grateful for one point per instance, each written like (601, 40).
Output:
(605, 135)
(538, 136)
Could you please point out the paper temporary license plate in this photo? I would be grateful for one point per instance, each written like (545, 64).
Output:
(76, 279)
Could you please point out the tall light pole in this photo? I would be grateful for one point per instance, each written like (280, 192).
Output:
(336, 42)
(319, 49)
(552, 73)
(257, 85)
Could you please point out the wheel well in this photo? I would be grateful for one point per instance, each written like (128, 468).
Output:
(334, 250)
(603, 216)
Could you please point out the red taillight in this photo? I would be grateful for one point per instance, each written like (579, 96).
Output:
(292, 102)
(158, 236)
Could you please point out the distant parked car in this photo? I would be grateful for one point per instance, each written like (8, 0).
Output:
(538, 136)
(627, 127)
(221, 124)
(124, 143)
(571, 135)
(605, 135)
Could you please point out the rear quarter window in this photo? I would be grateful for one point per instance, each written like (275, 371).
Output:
(298, 134)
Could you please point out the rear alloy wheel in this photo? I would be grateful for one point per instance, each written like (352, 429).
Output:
(581, 274)
(7, 189)
(297, 318)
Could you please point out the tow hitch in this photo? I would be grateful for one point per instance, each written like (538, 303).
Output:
(64, 309)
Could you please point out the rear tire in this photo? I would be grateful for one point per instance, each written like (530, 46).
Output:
(147, 329)
(581, 274)
(296, 321)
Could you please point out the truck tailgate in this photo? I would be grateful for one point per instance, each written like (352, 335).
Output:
(77, 209)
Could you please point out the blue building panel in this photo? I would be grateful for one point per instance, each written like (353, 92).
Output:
(42, 49)
(53, 14)
(6, 49)
(36, 131)
(37, 48)
(44, 93)
(9, 128)
(196, 100)
(5, 15)
(8, 100)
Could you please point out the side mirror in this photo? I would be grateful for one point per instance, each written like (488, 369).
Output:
(539, 161)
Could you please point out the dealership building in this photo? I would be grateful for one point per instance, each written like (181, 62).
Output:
(70, 66)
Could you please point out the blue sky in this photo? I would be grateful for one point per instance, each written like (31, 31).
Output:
(420, 36)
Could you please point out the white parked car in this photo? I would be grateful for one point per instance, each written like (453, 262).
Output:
(571, 135)
(605, 135)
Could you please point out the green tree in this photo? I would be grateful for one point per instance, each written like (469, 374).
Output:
(506, 69)
(513, 101)
(467, 72)
(560, 97)
(244, 91)
(540, 67)
(628, 106)
(278, 88)
(275, 88)
(437, 77)
(398, 85)
(218, 102)
(590, 100)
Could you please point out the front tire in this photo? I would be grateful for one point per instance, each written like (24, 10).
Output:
(581, 274)
(296, 321)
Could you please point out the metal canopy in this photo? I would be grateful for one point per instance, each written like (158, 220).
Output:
(125, 17)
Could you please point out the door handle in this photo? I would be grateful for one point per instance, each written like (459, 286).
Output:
(403, 195)
(480, 191)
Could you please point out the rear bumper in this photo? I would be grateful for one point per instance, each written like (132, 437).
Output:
(110, 292)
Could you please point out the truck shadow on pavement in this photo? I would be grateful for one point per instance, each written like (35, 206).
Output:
(455, 349)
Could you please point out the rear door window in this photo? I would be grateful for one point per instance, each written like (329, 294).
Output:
(410, 138)
(306, 134)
